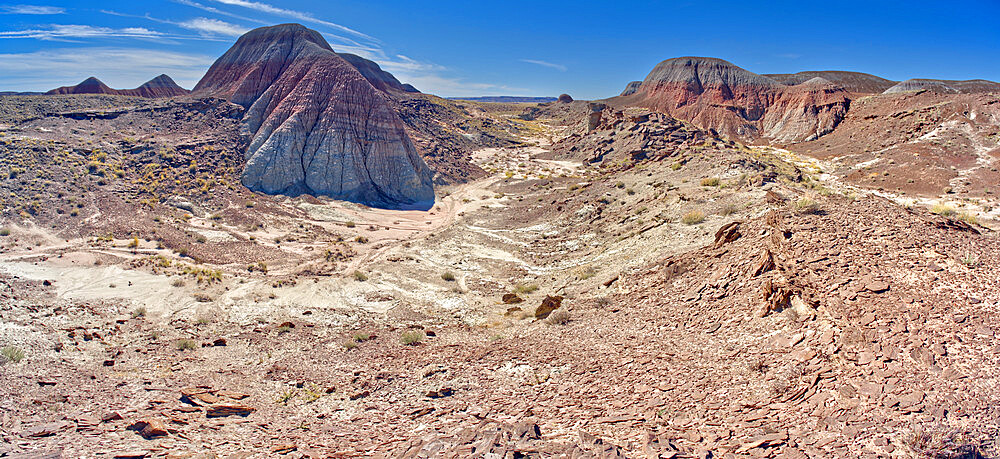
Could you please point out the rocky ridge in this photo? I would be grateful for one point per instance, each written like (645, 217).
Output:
(855, 82)
(945, 86)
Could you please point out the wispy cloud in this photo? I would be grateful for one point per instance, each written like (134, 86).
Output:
(559, 67)
(213, 26)
(300, 15)
(213, 10)
(70, 32)
(204, 26)
(57, 31)
(118, 67)
(789, 56)
(31, 9)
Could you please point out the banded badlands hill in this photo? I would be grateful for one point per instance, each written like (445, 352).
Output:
(307, 257)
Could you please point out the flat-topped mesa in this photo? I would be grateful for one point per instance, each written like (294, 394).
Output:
(854, 82)
(161, 86)
(314, 124)
(713, 93)
(945, 86)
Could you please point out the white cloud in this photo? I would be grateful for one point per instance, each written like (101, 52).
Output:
(31, 9)
(218, 11)
(559, 67)
(120, 68)
(300, 15)
(213, 26)
(71, 32)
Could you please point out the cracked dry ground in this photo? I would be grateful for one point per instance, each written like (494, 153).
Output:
(862, 329)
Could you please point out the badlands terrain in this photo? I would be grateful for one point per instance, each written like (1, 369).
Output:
(305, 257)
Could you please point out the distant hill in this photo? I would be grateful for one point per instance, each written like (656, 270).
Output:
(507, 99)
(945, 86)
(856, 82)
(161, 86)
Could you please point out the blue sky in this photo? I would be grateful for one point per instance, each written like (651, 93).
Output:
(589, 49)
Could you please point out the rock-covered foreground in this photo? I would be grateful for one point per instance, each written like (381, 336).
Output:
(314, 124)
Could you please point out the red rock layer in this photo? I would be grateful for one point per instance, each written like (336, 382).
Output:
(716, 94)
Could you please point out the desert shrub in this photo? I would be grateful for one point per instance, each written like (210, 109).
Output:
(693, 218)
(806, 205)
(4, 232)
(350, 345)
(968, 218)
(728, 210)
(524, 289)
(139, 312)
(943, 210)
(284, 329)
(360, 276)
(177, 283)
(361, 240)
(558, 317)
(448, 276)
(412, 337)
(12, 354)
(185, 345)
(710, 181)
(361, 337)
(349, 224)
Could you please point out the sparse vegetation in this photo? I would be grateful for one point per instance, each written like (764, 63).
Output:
(139, 312)
(967, 218)
(524, 289)
(349, 345)
(710, 181)
(943, 210)
(558, 317)
(4, 232)
(693, 217)
(350, 224)
(361, 337)
(806, 205)
(412, 337)
(185, 345)
(448, 276)
(12, 353)
(360, 276)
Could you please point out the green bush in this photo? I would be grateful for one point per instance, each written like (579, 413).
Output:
(412, 337)
(12, 354)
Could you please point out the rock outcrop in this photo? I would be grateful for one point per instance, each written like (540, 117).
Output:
(159, 87)
(314, 124)
(716, 94)
(631, 88)
(945, 86)
(382, 80)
